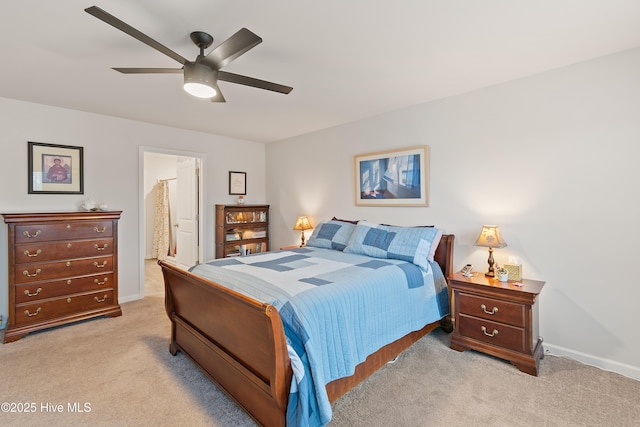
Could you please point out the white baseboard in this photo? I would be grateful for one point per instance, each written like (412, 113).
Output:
(598, 362)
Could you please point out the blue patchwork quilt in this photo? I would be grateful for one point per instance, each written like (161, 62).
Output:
(336, 308)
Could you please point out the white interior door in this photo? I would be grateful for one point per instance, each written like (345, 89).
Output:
(187, 211)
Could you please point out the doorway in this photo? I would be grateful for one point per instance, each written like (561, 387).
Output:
(170, 208)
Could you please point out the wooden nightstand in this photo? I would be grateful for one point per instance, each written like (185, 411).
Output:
(498, 318)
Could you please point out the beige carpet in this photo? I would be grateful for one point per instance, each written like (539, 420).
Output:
(122, 369)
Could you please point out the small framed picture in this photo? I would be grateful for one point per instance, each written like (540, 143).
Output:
(55, 169)
(237, 183)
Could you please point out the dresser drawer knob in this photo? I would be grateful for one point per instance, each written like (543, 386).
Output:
(105, 246)
(68, 264)
(69, 282)
(104, 264)
(98, 282)
(32, 236)
(26, 273)
(494, 310)
(28, 253)
(100, 300)
(484, 331)
(68, 300)
(38, 310)
(97, 230)
(68, 226)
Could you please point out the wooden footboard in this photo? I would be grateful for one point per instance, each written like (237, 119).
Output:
(240, 342)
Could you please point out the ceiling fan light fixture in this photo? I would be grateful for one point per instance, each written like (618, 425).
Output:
(199, 80)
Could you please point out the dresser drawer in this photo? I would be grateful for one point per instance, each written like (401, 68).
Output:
(50, 309)
(30, 292)
(39, 271)
(498, 334)
(63, 231)
(36, 252)
(492, 309)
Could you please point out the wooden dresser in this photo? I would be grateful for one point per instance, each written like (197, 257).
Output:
(63, 267)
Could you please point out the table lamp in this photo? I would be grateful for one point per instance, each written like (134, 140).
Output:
(490, 237)
(302, 224)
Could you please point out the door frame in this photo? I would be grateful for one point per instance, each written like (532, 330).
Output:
(141, 205)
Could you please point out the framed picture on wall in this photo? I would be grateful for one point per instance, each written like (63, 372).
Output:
(393, 178)
(55, 169)
(237, 183)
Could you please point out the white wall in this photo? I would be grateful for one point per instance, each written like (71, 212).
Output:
(111, 151)
(552, 159)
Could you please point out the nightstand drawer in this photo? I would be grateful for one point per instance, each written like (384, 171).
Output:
(498, 334)
(492, 309)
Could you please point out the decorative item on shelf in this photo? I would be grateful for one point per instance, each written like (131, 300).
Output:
(241, 200)
(89, 205)
(490, 237)
(302, 224)
(503, 274)
(467, 270)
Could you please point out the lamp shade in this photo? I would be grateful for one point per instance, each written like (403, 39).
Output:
(302, 223)
(490, 237)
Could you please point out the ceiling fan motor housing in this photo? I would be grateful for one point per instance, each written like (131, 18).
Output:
(200, 80)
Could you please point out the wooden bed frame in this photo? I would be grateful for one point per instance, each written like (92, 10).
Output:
(240, 343)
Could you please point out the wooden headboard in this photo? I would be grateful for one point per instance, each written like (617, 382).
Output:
(444, 254)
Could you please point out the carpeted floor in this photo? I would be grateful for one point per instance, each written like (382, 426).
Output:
(119, 373)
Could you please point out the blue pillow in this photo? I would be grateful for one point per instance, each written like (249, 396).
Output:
(331, 235)
(412, 244)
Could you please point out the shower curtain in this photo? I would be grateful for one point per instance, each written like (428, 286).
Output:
(162, 224)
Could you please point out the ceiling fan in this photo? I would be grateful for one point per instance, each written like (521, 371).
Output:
(200, 76)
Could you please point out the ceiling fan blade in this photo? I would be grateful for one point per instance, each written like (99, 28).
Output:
(149, 70)
(250, 81)
(219, 97)
(122, 26)
(231, 48)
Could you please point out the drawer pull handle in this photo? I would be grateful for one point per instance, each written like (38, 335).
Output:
(68, 263)
(484, 330)
(68, 300)
(32, 236)
(101, 300)
(68, 245)
(26, 273)
(38, 252)
(100, 231)
(69, 282)
(38, 310)
(98, 282)
(105, 246)
(29, 294)
(104, 264)
(68, 226)
(494, 310)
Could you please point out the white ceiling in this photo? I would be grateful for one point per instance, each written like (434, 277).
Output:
(345, 59)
